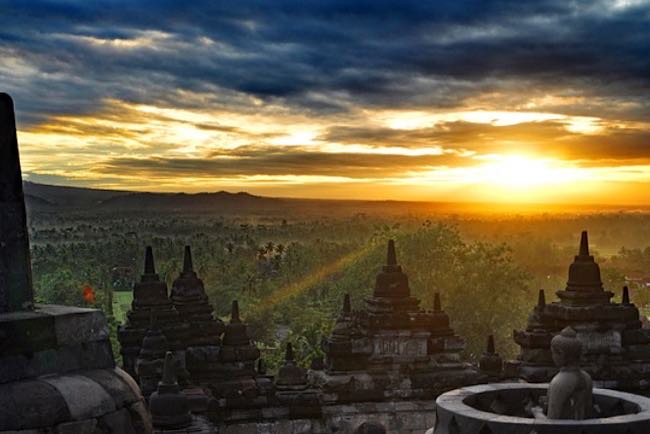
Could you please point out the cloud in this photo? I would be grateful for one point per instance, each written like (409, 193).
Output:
(320, 56)
(274, 162)
(544, 138)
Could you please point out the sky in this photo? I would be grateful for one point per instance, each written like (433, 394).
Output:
(447, 100)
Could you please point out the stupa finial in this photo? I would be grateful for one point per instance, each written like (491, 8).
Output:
(170, 409)
(391, 281)
(584, 285)
(234, 312)
(584, 244)
(625, 299)
(541, 298)
(149, 265)
(16, 291)
(188, 267)
(490, 345)
(437, 306)
(391, 256)
(347, 307)
(169, 373)
(288, 355)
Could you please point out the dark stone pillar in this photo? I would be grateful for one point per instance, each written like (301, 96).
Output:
(16, 291)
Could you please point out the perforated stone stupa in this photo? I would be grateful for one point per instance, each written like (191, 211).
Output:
(616, 347)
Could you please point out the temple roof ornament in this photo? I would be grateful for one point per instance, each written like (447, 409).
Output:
(290, 374)
(236, 333)
(391, 281)
(584, 285)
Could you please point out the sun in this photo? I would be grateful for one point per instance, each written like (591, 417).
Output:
(523, 172)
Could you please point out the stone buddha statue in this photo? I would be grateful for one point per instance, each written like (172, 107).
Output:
(570, 390)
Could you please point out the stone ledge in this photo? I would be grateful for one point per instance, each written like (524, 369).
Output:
(93, 355)
(48, 327)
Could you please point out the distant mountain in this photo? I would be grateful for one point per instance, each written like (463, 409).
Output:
(218, 201)
(60, 196)
(42, 197)
(52, 198)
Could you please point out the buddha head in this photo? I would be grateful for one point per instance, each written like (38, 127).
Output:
(566, 348)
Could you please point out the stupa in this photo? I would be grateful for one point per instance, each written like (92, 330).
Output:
(491, 364)
(293, 390)
(616, 347)
(190, 300)
(203, 340)
(392, 349)
(150, 297)
(170, 408)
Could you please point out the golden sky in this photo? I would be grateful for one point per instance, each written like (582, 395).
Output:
(517, 104)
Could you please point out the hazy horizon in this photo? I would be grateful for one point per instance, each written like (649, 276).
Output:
(473, 207)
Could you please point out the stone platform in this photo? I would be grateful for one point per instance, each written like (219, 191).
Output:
(412, 417)
(57, 375)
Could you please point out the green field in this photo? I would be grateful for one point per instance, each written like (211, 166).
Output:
(121, 305)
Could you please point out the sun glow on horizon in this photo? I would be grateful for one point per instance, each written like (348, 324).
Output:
(520, 172)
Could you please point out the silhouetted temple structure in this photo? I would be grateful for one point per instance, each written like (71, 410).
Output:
(150, 299)
(391, 355)
(385, 363)
(616, 347)
(57, 372)
(190, 300)
(171, 408)
(392, 349)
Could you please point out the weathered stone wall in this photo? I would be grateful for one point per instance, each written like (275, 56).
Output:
(413, 417)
